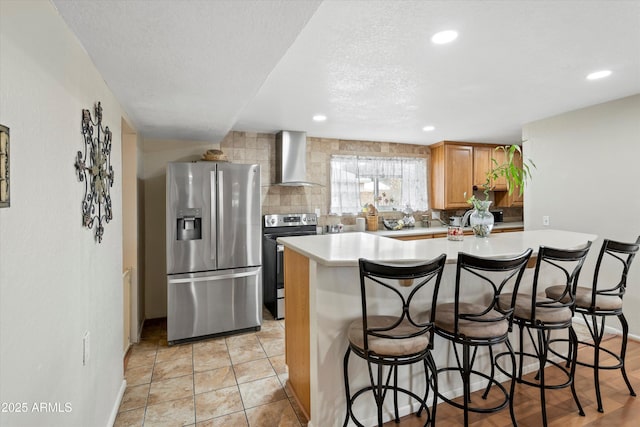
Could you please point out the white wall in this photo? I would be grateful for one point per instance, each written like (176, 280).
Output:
(587, 180)
(56, 282)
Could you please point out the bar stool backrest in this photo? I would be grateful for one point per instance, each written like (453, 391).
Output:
(616, 251)
(395, 278)
(568, 263)
(496, 276)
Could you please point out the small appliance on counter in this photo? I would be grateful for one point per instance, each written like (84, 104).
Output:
(455, 221)
(498, 216)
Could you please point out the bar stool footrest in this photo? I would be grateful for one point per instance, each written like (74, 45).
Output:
(592, 345)
(567, 383)
(477, 409)
(390, 388)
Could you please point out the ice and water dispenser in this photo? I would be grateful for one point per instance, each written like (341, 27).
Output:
(189, 224)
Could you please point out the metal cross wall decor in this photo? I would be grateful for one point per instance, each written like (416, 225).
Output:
(98, 174)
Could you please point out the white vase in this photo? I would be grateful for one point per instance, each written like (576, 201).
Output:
(481, 220)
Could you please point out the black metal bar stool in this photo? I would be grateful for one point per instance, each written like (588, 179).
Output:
(393, 340)
(600, 301)
(472, 324)
(534, 312)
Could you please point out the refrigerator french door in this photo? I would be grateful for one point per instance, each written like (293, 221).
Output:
(214, 274)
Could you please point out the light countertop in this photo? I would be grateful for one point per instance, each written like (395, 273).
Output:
(344, 249)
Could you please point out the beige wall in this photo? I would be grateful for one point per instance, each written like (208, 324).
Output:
(243, 147)
(587, 180)
(132, 240)
(156, 154)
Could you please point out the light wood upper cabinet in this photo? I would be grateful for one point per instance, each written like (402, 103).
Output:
(458, 167)
(483, 163)
(503, 199)
(499, 184)
(451, 175)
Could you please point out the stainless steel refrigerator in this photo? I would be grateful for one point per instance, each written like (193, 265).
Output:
(214, 252)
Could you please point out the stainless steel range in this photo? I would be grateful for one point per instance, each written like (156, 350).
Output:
(274, 226)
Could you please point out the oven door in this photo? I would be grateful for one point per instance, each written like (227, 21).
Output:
(280, 282)
(273, 270)
(273, 278)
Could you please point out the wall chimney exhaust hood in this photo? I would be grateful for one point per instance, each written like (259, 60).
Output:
(291, 159)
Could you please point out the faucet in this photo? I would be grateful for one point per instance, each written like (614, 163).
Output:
(466, 216)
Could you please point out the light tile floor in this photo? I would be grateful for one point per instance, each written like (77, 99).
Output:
(239, 380)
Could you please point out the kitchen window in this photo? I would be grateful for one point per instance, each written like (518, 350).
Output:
(389, 183)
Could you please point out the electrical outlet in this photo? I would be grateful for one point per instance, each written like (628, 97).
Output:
(435, 214)
(85, 348)
(545, 220)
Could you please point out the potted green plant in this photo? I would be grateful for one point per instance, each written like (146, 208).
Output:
(516, 176)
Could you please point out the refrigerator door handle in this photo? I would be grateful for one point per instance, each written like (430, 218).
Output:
(216, 277)
(216, 195)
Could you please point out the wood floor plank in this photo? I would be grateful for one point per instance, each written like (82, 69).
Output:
(620, 409)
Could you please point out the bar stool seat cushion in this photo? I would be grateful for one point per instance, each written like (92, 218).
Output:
(548, 315)
(389, 346)
(583, 298)
(481, 328)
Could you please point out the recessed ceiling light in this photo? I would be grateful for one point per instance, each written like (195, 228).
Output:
(428, 128)
(319, 118)
(599, 75)
(444, 37)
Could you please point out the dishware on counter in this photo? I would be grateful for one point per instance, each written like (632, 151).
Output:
(335, 228)
(409, 221)
(455, 233)
(393, 224)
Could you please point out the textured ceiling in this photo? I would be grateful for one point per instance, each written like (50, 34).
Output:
(197, 69)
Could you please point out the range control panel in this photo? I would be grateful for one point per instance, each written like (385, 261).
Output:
(290, 220)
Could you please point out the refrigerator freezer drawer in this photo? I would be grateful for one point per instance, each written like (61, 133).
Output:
(201, 304)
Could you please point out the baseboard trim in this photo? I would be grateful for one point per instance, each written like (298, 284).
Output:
(114, 410)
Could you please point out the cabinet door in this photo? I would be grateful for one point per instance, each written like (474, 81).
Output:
(499, 184)
(458, 176)
(451, 175)
(515, 199)
(483, 162)
(481, 165)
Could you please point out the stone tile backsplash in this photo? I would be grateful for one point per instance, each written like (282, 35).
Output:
(251, 147)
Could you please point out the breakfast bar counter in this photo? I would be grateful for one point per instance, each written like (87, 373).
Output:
(323, 296)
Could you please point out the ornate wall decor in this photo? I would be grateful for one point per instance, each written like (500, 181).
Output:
(98, 174)
(4, 167)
